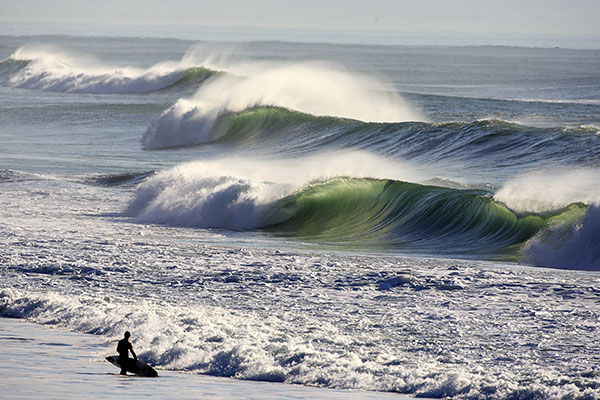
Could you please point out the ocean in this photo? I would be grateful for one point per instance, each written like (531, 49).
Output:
(421, 220)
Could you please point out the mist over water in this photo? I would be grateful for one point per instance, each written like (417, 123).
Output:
(543, 191)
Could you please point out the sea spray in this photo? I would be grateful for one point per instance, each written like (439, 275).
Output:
(312, 88)
(542, 191)
(61, 70)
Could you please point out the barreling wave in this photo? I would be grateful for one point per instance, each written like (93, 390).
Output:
(408, 216)
(56, 70)
(359, 213)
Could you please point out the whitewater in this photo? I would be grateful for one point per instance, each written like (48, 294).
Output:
(416, 220)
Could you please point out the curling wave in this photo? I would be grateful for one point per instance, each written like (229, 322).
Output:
(407, 216)
(367, 213)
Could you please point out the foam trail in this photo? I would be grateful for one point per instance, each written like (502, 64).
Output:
(54, 69)
(312, 88)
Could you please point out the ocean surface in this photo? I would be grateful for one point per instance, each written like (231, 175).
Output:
(422, 220)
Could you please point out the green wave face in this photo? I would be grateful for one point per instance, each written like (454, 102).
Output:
(195, 75)
(392, 215)
(191, 77)
(276, 125)
(11, 65)
(476, 144)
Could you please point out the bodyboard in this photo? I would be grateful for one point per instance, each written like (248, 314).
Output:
(135, 367)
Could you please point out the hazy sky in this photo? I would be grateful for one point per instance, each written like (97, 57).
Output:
(579, 17)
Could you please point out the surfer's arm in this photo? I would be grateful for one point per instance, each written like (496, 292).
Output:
(133, 352)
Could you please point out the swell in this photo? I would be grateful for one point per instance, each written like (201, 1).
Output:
(499, 142)
(278, 130)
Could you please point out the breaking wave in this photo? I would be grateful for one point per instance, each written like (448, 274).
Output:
(567, 245)
(315, 89)
(58, 70)
(366, 213)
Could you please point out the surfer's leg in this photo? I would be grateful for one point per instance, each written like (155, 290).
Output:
(123, 364)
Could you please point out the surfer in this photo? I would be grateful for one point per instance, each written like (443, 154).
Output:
(123, 348)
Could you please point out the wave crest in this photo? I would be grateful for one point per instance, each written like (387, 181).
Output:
(53, 69)
(314, 89)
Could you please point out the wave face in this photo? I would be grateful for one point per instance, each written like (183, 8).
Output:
(275, 130)
(398, 214)
(315, 89)
(377, 214)
(58, 70)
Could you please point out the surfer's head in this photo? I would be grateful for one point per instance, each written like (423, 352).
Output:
(127, 334)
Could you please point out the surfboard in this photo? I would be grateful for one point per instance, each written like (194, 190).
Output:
(139, 368)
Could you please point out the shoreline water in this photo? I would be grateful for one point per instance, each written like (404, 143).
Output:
(58, 364)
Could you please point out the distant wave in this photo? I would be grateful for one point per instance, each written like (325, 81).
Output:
(560, 101)
(376, 214)
(52, 69)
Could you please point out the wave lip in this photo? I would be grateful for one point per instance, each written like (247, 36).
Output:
(57, 70)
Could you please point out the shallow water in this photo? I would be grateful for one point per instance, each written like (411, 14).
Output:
(42, 362)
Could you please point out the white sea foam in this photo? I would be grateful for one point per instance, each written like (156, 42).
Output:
(56, 69)
(312, 88)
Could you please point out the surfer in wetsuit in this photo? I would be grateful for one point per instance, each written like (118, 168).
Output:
(123, 349)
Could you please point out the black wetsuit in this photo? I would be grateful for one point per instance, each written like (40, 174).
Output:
(123, 349)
